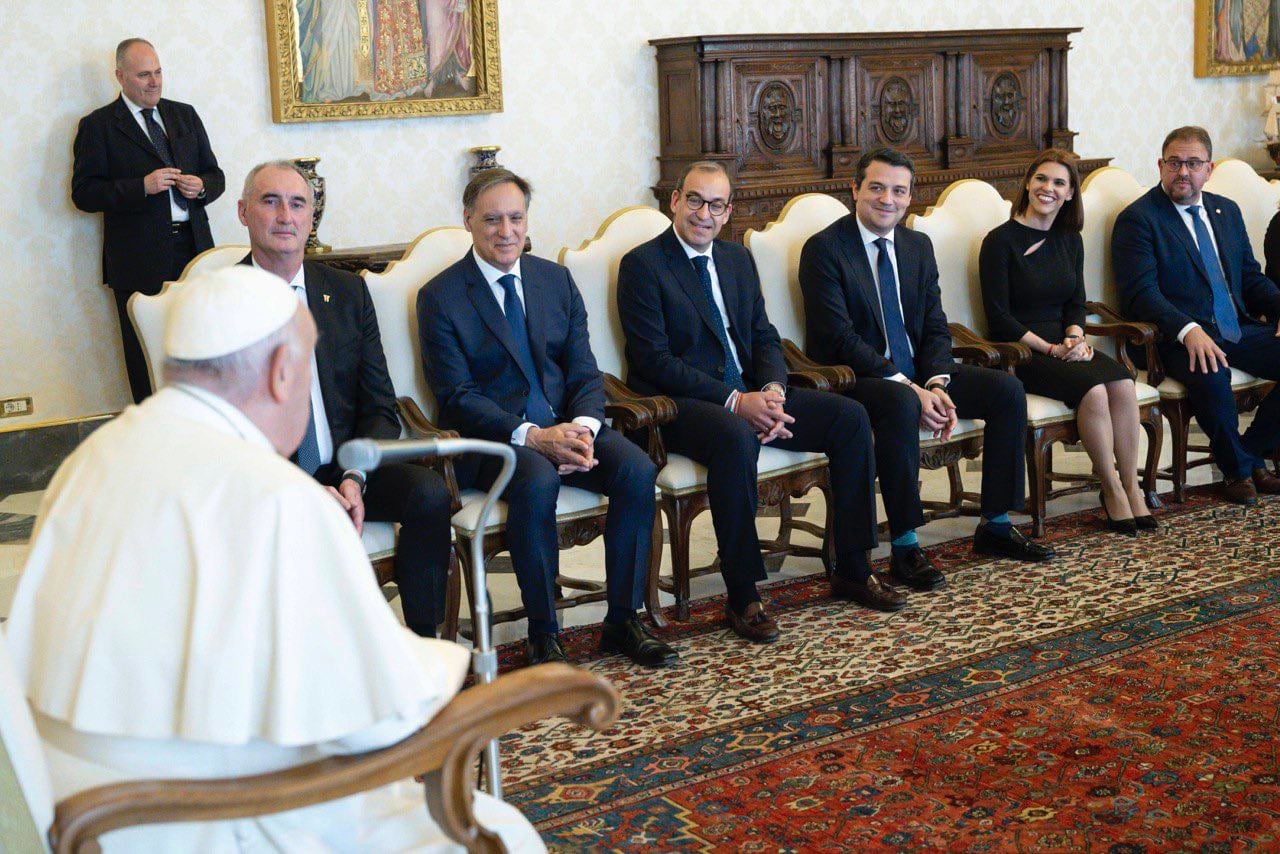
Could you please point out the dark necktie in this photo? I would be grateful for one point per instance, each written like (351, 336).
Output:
(732, 376)
(308, 454)
(536, 408)
(894, 329)
(161, 143)
(1224, 310)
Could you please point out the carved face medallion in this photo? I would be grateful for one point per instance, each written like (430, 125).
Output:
(897, 109)
(775, 117)
(1006, 103)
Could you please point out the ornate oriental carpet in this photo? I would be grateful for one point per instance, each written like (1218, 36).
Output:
(1122, 698)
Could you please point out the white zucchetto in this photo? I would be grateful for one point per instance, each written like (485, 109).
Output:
(224, 311)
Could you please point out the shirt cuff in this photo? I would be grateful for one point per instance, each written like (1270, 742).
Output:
(592, 424)
(729, 401)
(945, 379)
(356, 475)
(518, 435)
(899, 378)
(1183, 333)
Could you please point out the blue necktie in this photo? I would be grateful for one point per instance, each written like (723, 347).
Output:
(308, 454)
(894, 329)
(536, 407)
(161, 143)
(1224, 310)
(732, 376)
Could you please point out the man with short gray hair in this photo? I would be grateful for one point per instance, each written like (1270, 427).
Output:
(351, 393)
(144, 163)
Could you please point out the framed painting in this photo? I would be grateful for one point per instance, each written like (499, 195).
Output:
(377, 59)
(1237, 37)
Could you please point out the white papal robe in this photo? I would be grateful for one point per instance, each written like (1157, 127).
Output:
(195, 606)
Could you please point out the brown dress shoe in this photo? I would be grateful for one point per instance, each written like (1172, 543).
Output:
(1240, 490)
(872, 593)
(1266, 482)
(754, 623)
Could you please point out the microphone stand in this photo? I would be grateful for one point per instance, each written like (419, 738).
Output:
(484, 658)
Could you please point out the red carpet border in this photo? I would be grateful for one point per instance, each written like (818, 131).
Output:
(1122, 698)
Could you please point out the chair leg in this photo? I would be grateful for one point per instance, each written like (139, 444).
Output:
(463, 551)
(1037, 481)
(651, 602)
(679, 523)
(786, 525)
(828, 539)
(452, 597)
(1154, 425)
(955, 479)
(1179, 427)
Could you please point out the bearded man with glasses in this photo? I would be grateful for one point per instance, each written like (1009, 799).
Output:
(696, 330)
(1183, 262)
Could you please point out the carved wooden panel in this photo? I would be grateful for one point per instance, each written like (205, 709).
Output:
(791, 114)
(777, 123)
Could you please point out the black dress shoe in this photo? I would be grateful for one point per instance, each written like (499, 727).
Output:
(633, 639)
(871, 593)
(1015, 545)
(1127, 527)
(1146, 523)
(914, 569)
(545, 648)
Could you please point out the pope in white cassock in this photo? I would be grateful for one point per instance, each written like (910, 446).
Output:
(196, 606)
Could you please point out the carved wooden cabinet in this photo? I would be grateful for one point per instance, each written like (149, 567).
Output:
(790, 114)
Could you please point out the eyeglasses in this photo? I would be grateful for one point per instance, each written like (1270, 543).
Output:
(1194, 165)
(695, 203)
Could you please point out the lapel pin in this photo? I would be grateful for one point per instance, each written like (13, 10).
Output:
(1217, 210)
(326, 297)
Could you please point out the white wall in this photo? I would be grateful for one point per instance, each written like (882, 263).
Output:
(580, 121)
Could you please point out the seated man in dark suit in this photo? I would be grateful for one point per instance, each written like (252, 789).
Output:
(696, 330)
(872, 302)
(351, 393)
(1183, 262)
(505, 349)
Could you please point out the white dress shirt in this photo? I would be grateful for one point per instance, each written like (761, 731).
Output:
(176, 214)
(869, 239)
(1185, 216)
(491, 275)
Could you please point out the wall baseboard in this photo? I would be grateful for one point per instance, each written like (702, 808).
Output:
(30, 455)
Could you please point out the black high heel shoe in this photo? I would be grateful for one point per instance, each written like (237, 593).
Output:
(1146, 523)
(1125, 527)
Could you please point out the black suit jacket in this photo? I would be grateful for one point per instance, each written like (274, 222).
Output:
(468, 354)
(1161, 276)
(844, 322)
(673, 346)
(112, 157)
(359, 401)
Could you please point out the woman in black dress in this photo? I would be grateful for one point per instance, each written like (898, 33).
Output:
(1032, 271)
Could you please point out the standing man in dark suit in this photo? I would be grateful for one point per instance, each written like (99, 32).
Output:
(505, 349)
(872, 302)
(696, 330)
(146, 165)
(351, 393)
(1183, 262)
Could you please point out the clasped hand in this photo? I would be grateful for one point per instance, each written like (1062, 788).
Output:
(937, 412)
(1072, 349)
(167, 177)
(570, 446)
(766, 412)
(348, 494)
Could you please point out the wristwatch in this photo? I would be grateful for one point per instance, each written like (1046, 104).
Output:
(935, 385)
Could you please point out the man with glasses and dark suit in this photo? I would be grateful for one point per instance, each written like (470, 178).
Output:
(1183, 262)
(696, 330)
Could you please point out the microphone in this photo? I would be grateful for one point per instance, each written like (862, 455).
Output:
(368, 454)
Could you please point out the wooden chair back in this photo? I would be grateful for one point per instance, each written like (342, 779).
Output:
(776, 250)
(214, 259)
(1257, 197)
(594, 267)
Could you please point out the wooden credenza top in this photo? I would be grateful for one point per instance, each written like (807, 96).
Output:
(792, 113)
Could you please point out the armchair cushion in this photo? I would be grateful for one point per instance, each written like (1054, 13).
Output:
(571, 504)
(1171, 389)
(682, 475)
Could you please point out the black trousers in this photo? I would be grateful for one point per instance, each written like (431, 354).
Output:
(1214, 404)
(135, 363)
(727, 445)
(625, 474)
(417, 498)
(994, 396)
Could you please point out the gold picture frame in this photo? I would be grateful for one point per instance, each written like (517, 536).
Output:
(1236, 37)
(336, 60)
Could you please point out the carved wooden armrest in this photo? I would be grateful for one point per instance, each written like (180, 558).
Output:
(418, 424)
(806, 373)
(445, 750)
(976, 350)
(639, 414)
(1144, 335)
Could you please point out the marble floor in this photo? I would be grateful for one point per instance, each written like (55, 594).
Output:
(17, 513)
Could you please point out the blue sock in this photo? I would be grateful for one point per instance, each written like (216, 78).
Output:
(999, 525)
(906, 542)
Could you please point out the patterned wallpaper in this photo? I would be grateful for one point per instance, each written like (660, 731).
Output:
(580, 122)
